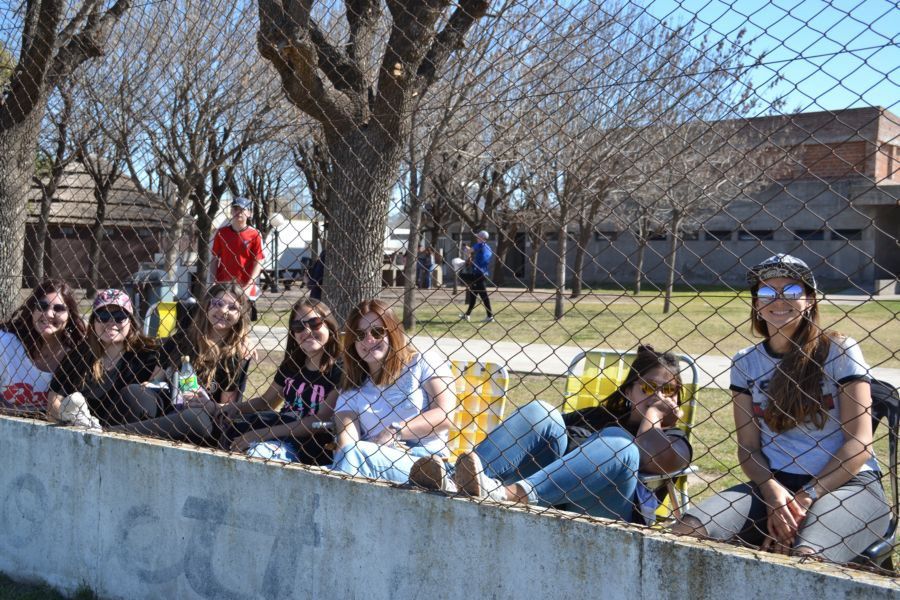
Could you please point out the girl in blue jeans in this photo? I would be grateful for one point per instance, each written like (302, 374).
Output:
(586, 461)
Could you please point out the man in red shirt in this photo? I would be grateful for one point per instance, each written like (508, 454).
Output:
(237, 251)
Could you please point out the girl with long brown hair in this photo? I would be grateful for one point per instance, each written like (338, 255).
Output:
(305, 387)
(395, 404)
(32, 344)
(802, 408)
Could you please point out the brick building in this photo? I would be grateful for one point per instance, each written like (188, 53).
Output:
(835, 204)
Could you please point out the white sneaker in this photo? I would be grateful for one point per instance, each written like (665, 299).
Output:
(470, 479)
(463, 317)
(430, 473)
(488, 320)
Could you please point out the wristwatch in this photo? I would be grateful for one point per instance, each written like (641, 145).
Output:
(810, 489)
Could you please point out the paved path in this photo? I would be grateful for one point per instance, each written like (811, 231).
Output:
(540, 358)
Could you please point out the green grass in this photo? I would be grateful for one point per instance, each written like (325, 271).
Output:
(705, 324)
(12, 590)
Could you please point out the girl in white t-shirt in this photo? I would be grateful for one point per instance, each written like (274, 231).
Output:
(32, 344)
(395, 405)
(802, 407)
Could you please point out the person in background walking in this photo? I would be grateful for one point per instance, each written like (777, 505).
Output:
(424, 267)
(314, 277)
(478, 263)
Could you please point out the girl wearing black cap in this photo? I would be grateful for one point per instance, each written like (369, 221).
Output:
(802, 409)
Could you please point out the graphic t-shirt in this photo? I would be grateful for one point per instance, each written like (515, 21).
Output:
(377, 407)
(805, 449)
(103, 397)
(22, 384)
(305, 390)
(237, 251)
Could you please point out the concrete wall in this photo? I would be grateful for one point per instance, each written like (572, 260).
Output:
(137, 519)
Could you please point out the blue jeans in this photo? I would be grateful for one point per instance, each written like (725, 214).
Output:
(279, 450)
(366, 459)
(598, 478)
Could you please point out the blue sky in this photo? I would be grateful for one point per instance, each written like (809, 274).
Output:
(829, 56)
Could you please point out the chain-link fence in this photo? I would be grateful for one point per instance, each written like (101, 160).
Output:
(495, 249)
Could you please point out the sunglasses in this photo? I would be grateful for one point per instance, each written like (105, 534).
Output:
(229, 306)
(44, 306)
(378, 333)
(661, 389)
(792, 291)
(312, 324)
(105, 316)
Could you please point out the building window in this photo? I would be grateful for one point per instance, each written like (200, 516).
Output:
(809, 235)
(847, 234)
(690, 236)
(721, 235)
(551, 237)
(753, 235)
(657, 236)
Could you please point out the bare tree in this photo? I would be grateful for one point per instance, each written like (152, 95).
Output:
(360, 82)
(55, 157)
(55, 40)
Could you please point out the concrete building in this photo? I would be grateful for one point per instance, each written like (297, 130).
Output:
(835, 203)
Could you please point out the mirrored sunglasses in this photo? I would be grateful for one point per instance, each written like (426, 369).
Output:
(105, 316)
(312, 324)
(664, 389)
(378, 333)
(44, 306)
(792, 291)
(219, 303)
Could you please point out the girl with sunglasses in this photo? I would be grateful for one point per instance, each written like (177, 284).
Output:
(394, 405)
(586, 461)
(112, 356)
(802, 408)
(216, 344)
(32, 344)
(305, 386)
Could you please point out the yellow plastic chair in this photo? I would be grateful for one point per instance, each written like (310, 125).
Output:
(594, 375)
(481, 390)
(161, 319)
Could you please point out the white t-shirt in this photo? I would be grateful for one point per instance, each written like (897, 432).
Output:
(22, 385)
(805, 449)
(377, 407)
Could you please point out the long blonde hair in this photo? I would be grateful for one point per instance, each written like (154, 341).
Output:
(209, 354)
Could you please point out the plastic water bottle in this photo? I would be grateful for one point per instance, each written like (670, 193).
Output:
(187, 377)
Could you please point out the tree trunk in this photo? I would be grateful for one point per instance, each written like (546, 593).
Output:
(365, 167)
(562, 246)
(173, 237)
(537, 241)
(639, 263)
(17, 147)
(41, 245)
(670, 260)
(204, 239)
(98, 232)
(584, 238)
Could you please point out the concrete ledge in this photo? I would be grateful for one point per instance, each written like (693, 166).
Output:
(141, 519)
